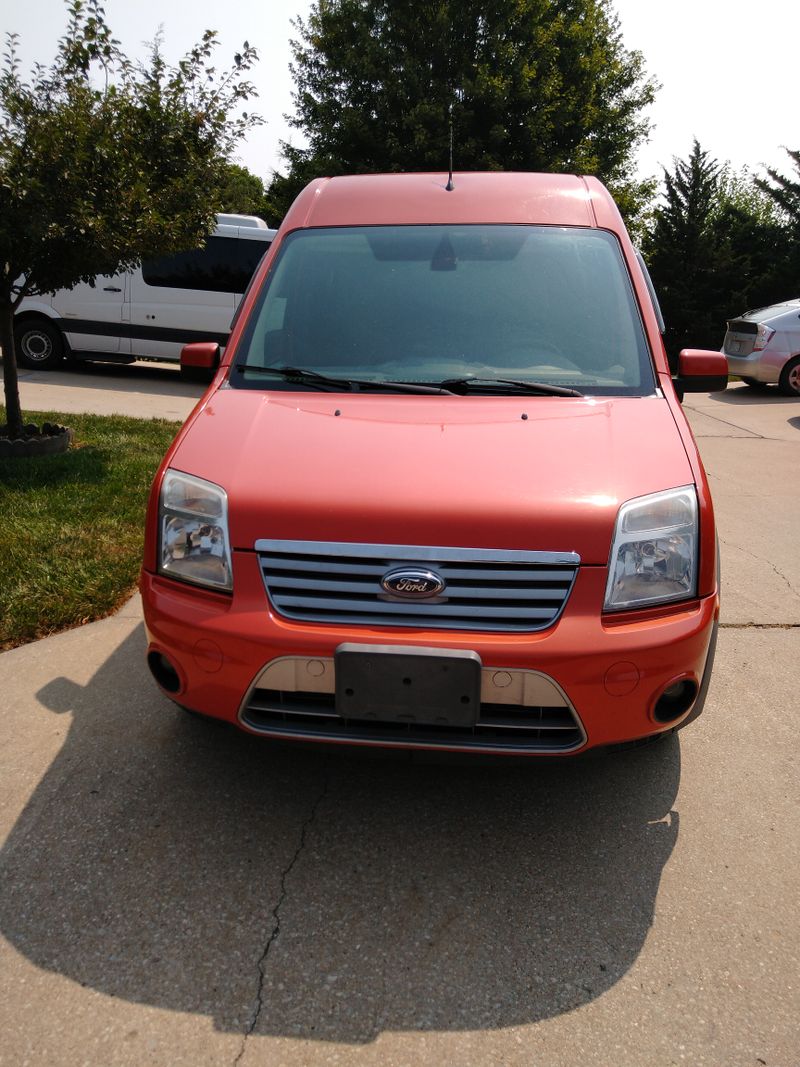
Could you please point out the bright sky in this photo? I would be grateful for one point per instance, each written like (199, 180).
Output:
(728, 68)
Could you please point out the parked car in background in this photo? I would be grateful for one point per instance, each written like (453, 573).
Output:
(150, 312)
(441, 493)
(763, 347)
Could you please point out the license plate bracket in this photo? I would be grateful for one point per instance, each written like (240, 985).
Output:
(408, 685)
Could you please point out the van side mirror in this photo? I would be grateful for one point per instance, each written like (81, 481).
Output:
(701, 371)
(200, 355)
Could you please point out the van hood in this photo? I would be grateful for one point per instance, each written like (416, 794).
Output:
(529, 473)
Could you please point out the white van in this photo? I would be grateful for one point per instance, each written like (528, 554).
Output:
(149, 312)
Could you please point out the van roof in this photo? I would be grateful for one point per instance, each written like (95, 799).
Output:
(243, 233)
(241, 220)
(495, 197)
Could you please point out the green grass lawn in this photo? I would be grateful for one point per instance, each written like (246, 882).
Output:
(72, 526)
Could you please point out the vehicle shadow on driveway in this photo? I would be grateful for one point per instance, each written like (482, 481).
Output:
(140, 377)
(173, 863)
(743, 395)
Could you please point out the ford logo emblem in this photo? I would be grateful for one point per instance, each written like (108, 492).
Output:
(412, 583)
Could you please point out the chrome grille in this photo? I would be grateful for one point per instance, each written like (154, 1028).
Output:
(486, 589)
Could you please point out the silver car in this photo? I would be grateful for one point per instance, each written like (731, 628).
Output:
(763, 347)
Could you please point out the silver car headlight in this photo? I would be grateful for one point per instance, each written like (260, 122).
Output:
(654, 552)
(193, 531)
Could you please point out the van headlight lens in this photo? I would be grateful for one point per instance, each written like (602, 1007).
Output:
(193, 529)
(654, 551)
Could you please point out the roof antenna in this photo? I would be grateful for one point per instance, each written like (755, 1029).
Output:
(450, 187)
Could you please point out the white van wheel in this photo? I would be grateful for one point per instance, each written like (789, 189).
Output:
(39, 345)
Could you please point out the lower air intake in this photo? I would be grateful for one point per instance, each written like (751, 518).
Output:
(499, 728)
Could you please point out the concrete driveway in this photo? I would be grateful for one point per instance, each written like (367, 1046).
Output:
(143, 390)
(176, 893)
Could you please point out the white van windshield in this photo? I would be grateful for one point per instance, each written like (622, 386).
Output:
(434, 304)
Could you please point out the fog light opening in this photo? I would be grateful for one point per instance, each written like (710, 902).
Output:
(164, 672)
(675, 701)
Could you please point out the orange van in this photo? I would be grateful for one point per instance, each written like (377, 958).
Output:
(440, 493)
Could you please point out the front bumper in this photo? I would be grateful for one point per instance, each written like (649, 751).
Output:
(610, 671)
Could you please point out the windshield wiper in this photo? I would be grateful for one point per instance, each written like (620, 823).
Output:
(304, 376)
(298, 374)
(517, 385)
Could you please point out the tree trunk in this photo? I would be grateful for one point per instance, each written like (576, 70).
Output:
(10, 380)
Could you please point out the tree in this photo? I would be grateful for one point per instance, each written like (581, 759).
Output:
(756, 245)
(527, 84)
(243, 192)
(717, 246)
(784, 192)
(103, 162)
(681, 250)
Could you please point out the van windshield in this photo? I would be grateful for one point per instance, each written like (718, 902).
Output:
(430, 304)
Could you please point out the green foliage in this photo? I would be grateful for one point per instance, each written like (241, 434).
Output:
(682, 252)
(784, 195)
(71, 526)
(528, 84)
(784, 192)
(104, 161)
(742, 191)
(717, 246)
(242, 193)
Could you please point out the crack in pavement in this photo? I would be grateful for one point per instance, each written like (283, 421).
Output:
(276, 918)
(761, 559)
(733, 425)
(759, 626)
(744, 435)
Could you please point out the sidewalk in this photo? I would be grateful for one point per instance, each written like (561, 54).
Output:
(142, 390)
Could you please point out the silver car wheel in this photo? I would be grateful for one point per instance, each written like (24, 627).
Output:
(789, 383)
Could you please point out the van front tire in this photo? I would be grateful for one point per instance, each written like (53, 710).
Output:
(39, 345)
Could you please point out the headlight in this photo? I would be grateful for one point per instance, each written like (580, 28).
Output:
(654, 551)
(193, 528)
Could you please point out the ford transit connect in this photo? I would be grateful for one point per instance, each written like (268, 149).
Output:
(441, 493)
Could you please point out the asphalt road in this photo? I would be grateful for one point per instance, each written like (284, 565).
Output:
(177, 893)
